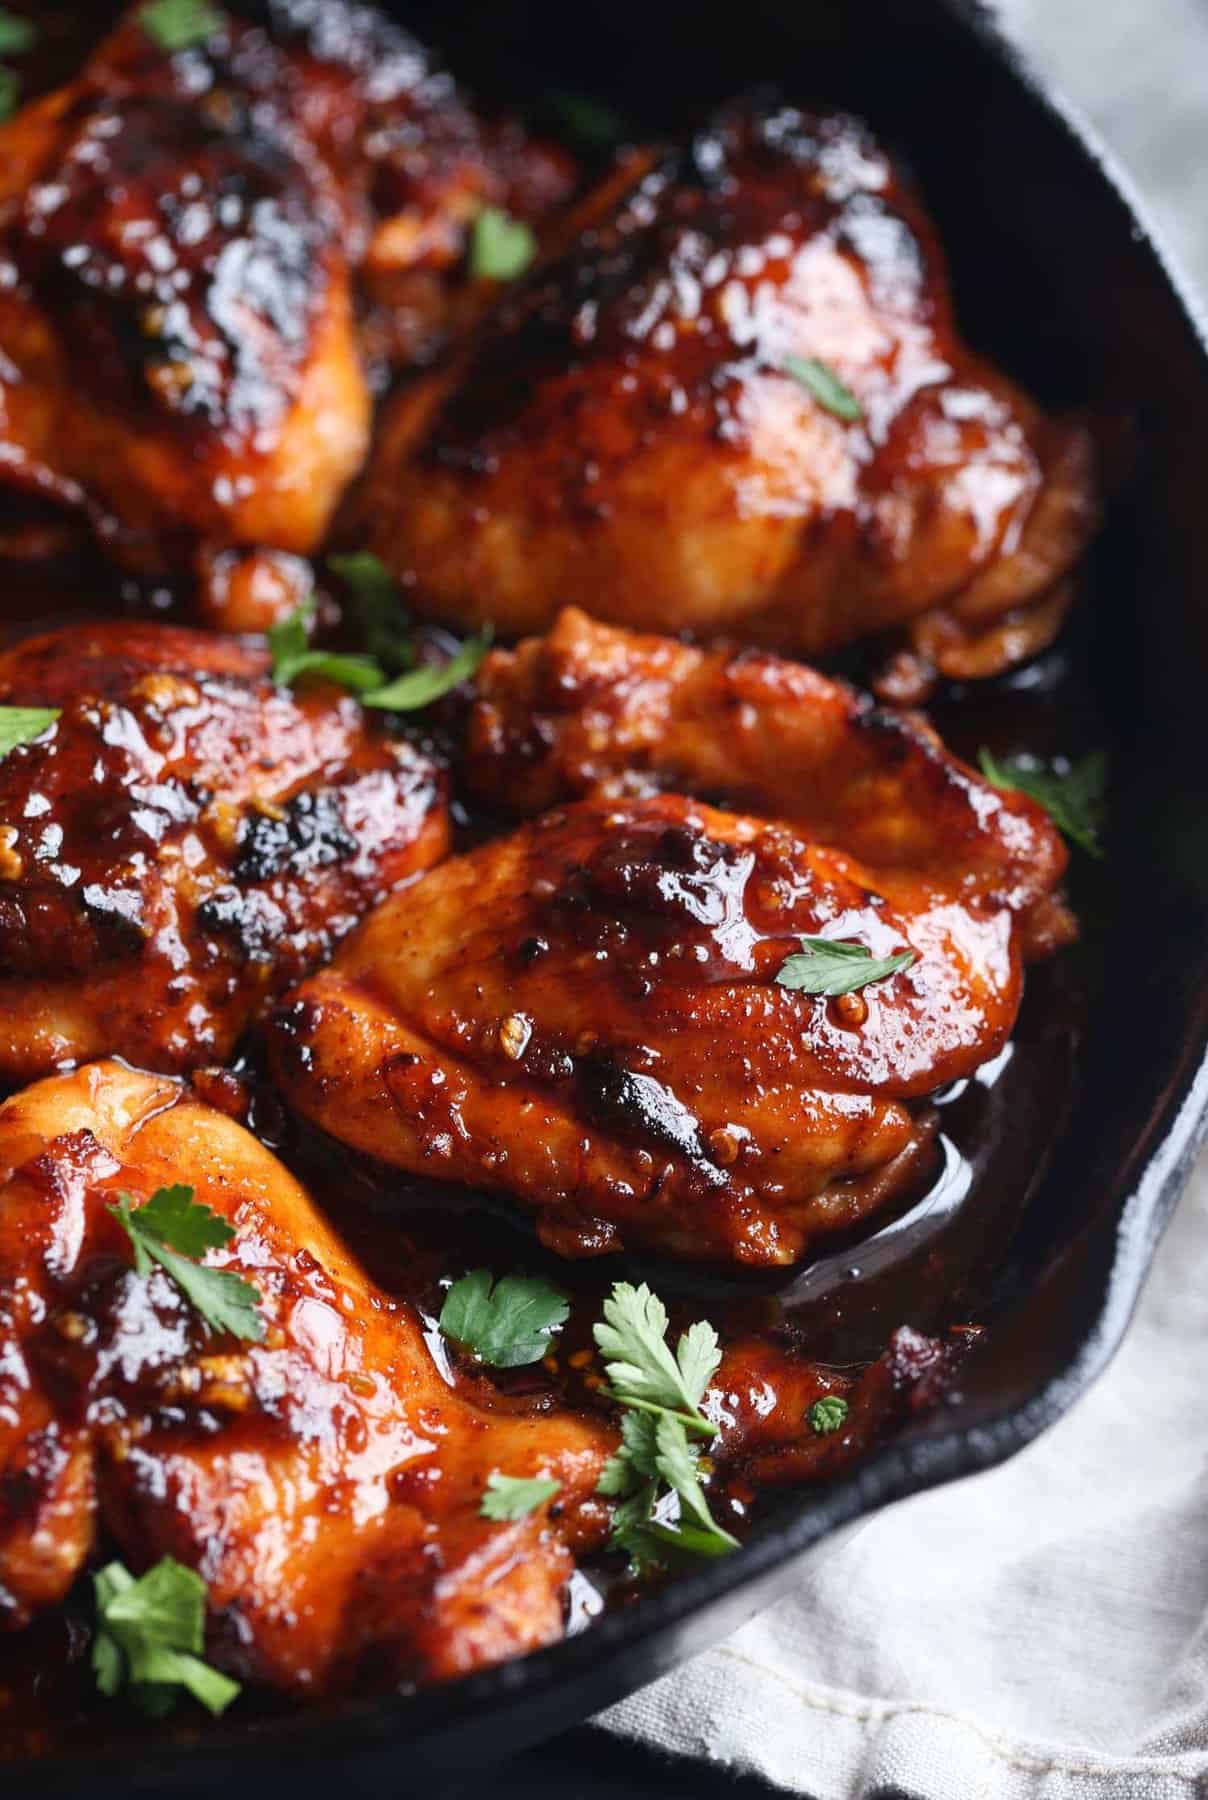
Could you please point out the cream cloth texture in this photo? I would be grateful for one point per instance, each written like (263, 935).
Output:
(1039, 1632)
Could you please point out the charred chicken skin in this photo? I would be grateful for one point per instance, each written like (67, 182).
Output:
(738, 403)
(325, 1482)
(184, 841)
(586, 1016)
(179, 238)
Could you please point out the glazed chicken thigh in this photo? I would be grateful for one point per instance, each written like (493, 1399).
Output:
(586, 1016)
(739, 403)
(183, 841)
(325, 1482)
(180, 235)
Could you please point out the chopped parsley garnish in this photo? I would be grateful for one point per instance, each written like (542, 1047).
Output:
(822, 382)
(828, 967)
(506, 1323)
(420, 687)
(150, 1635)
(293, 657)
(501, 247)
(656, 1469)
(516, 1496)
(179, 24)
(592, 122)
(16, 34)
(1073, 795)
(827, 1414)
(174, 1230)
(384, 626)
(364, 675)
(10, 92)
(22, 724)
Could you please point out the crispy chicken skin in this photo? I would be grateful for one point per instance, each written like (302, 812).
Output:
(585, 1017)
(179, 236)
(627, 436)
(184, 841)
(325, 1482)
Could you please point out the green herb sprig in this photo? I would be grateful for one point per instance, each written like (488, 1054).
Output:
(661, 1394)
(363, 673)
(293, 657)
(150, 1635)
(501, 247)
(174, 25)
(827, 1414)
(17, 35)
(510, 1497)
(384, 626)
(1073, 794)
(22, 724)
(174, 1230)
(829, 967)
(506, 1323)
(819, 379)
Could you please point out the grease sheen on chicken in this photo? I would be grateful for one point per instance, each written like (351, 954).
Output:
(629, 435)
(325, 1482)
(179, 241)
(584, 1015)
(184, 841)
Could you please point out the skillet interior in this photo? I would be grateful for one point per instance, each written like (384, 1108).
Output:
(1055, 278)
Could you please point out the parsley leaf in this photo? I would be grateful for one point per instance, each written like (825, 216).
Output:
(501, 247)
(179, 24)
(661, 1394)
(593, 122)
(420, 687)
(506, 1323)
(385, 627)
(171, 1229)
(22, 724)
(643, 1372)
(827, 1414)
(293, 657)
(16, 34)
(150, 1634)
(10, 92)
(516, 1496)
(827, 966)
(1073, 795)
(822, 382)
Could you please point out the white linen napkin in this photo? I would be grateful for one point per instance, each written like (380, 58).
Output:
(1039, 1632)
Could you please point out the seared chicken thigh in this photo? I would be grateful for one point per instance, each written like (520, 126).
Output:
(591, 709)
(325, 1482)
(183, 841)
(587, 1016)
(179, 237)
(738, 403)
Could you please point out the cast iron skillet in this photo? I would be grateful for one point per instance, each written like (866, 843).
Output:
(1058, 277)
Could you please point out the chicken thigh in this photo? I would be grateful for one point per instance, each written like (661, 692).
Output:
(183, 841)
(738, 403)
(179, 237)
(592, 709)
(588, 1015)
(325, 1482)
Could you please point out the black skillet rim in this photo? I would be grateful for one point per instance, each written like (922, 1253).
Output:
(584, 1666)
